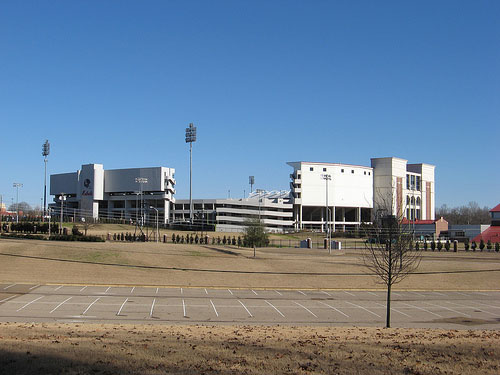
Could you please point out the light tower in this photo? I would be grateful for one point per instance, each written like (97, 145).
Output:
(17, 185)
(45, 153)
(327, 177)
(251, 181)
(190, 138)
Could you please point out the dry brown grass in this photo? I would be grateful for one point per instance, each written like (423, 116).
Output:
(192, 265)
(126, 349)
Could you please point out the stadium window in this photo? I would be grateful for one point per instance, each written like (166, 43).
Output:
(311, 169)
(324, 169)
(342, 170)
(352, 170)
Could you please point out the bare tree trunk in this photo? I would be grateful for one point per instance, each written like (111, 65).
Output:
(388, 313)
(389, 284)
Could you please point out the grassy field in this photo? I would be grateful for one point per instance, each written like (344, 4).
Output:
(126, 349)
(116, 263)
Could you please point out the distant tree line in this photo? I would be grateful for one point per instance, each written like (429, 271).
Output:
(469, 214)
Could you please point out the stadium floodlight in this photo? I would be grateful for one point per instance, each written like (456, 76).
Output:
(157, 230)
(17, 185)
(190, 138)
(45, 153)
(251, 181)
(327, 177)
(62, 198)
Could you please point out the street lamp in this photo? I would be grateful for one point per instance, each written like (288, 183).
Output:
(62, 198)
(327, 177)
(45, 153)
(190, 138)
(141, 181)
(17, 185)
(157, 231)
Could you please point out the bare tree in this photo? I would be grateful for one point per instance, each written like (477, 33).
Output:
(87, 222)
(389, 253)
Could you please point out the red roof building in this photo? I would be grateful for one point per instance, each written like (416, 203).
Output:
(493, 232)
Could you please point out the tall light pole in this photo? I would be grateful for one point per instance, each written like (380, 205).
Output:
(62, 198)
(327, 177)
(190, 138)
(157, 231)
(141, 181)
(45, 153)
(251, 181)
(17, 185)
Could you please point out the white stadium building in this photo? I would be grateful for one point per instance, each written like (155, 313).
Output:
(352, 193)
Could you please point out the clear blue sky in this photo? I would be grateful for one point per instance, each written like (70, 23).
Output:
(265, 82)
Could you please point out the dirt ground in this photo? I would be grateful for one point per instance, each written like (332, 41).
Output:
(126, 349)
(116, 263)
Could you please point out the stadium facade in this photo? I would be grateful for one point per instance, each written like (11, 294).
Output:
(336, 196)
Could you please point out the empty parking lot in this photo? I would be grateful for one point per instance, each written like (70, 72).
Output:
(138, 304)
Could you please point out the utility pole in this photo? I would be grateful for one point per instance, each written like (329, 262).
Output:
(327, 177)
(62, 198)
(17, 185)
(45, 153)
(190, 138)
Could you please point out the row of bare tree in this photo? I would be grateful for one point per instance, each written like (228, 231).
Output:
(467, 214)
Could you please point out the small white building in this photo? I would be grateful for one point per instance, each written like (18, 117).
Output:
(115, 194)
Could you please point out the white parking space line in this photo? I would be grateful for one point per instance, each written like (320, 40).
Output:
(483, 294)
(132, 290)
(33, 287)
(62, 303)
(6, 299)
(254, 292)
(107, 290)
(373, 294)
(439, 294)
(485, 304)
(349, 293)
(274, 307)
(419, 294)
(248, 311)
(10, 286)
(88, 308)
(59, 287)
(152, 308)
(215, 310)
(301, 292)
(206, 292)
(393, 309)
(121, 307)
(447, 308)
(280, 294)
(184, 308)
(334, 308)
(396, 294)
(463, 294)
(305, 308)
(156, 291)
(328, 294)
(229, 290)
(422, 309)
(182, 292)
(29, 303)
(363, 308)
(471, 307)
(85, 287)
